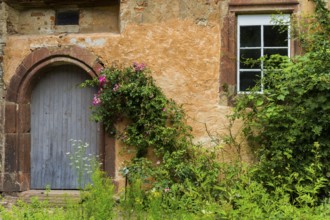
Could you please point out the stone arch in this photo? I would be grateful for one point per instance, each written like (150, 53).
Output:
(43, 57)
(16, 175)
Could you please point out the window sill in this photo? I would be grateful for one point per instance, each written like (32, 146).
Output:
(67, 28)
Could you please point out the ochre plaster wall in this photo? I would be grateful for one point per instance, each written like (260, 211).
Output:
(180, 42)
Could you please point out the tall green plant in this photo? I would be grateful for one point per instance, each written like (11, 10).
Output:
(288, 125)
(82, 163)
(98, 200)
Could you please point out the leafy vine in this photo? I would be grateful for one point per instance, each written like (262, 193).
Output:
(131, 94)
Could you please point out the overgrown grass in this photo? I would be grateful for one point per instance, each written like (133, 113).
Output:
(238, 197)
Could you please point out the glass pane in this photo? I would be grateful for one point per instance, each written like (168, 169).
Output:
(250, 36)
(248, 80)
(269, 52)
(275, 36)
(249, 58)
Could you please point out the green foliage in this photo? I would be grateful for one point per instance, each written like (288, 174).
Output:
(288, 126)
(243, 197)
(132, 204)
(239, 197)
(39, 210)
(97, 202)
(153, 120)
(98, 198)
(313, 33)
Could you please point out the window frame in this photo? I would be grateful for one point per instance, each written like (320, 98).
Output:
(228, 52)
(261, 20)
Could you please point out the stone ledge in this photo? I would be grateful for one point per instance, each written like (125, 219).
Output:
(54, 197)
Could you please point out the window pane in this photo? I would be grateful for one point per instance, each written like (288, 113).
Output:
(250, 36)
(249, 79)
(269, 52)
(249, 58)
(275, 36)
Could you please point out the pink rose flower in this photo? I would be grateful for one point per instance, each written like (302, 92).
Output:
(96, 100)
(116, 87)
(139, 66)
(102, 80)
(100, 69)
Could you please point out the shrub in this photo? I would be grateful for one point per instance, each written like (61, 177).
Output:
(288, 125)
(156, 123)
(97, 199)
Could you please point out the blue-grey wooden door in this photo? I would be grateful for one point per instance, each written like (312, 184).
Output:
(60, 111)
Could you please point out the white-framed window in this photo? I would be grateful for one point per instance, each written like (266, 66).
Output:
(258, 36)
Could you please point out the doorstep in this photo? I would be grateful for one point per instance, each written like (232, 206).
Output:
(54, 197)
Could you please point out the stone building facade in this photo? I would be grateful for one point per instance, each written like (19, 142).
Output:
(189, 45)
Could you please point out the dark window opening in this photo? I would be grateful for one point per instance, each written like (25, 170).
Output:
(67, 17)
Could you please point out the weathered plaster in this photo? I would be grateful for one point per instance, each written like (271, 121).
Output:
(157, 11)
(167, 50)
(42, 21)
(179, 40)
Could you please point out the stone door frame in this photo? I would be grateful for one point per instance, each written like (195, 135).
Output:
(16, 175)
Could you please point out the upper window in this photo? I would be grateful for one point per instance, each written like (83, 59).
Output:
(258, 36)
(70, 17)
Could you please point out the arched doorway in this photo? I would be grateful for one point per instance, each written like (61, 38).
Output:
(18, 167)
(60, 112)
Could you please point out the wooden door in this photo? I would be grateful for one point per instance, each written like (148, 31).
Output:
(60, 111)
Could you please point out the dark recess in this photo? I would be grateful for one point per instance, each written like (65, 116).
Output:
(70, 17)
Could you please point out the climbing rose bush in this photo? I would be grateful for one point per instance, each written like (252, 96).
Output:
(130, 93)
(155, 123)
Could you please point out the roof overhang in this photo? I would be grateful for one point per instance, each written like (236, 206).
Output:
(28, 4)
